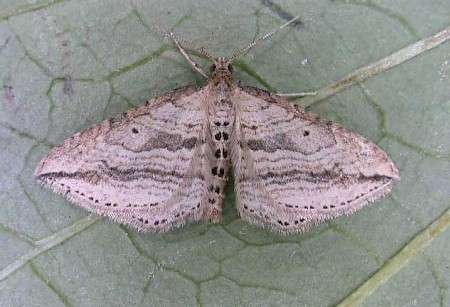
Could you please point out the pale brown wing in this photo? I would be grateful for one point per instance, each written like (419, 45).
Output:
(294, 169)
(146, 168)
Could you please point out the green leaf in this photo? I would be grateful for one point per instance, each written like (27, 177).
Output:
(65, 65)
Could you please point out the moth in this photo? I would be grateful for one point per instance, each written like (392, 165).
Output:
(166, 162)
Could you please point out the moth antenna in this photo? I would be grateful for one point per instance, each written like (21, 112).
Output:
(179, 42)
(191, 46)
(264, 37)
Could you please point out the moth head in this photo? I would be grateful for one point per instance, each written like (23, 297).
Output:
(222, 65)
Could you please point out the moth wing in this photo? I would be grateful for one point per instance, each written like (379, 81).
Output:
(294, 169)
(145, 167)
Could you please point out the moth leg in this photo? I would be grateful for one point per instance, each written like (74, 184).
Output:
(301, 94)
(187, 56)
